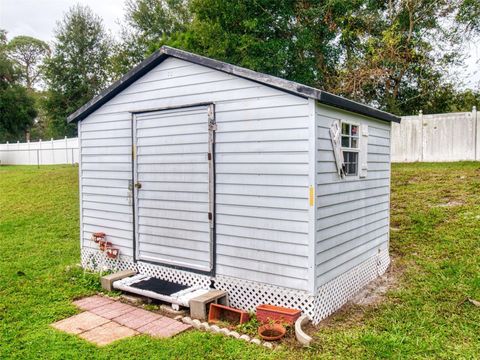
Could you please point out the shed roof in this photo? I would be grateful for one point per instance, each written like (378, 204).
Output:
(288, 86)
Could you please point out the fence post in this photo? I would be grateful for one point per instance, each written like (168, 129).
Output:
(39, 152)
(477, 140)
(28, 152)
(422, 137)
(53, 151)
(66, 150)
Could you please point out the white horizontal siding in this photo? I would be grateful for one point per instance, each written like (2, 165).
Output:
(262, 164)
(353, 213)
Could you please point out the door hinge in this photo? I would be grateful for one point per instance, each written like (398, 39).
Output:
(209, 156)
(210, 216)
(212, 126)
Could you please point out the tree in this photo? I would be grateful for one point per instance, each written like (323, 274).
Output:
(17, 110)
(396, 52)
(290, 39)
(469, 14)
(147, 22)
(28, 54)
(389, 54)
(78, 68)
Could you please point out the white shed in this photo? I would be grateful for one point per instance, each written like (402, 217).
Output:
(204, 173)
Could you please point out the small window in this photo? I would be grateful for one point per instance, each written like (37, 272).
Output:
(349, 136)
(350, 146)
(350, 162)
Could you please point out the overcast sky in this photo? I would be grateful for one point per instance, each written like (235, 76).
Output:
(38, 18)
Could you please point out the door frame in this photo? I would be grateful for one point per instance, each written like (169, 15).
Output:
(211, 123)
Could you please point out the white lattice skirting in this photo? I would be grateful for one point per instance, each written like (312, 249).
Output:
(247, 295)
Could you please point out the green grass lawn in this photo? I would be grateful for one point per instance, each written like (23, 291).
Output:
(435, 243)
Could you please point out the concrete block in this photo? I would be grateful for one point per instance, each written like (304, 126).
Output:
(108, 280)
(199, 305)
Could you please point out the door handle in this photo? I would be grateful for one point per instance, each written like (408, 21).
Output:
(138, 185)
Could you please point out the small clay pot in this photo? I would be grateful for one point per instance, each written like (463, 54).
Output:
(112, 253)
(104, 245)
(271, 332)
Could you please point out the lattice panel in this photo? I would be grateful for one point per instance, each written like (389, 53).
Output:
(329, 298)
(96, 260)
(174, 275)
(334, 294)
(247, 295)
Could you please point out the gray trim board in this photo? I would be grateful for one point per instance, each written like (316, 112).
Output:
(285, 85)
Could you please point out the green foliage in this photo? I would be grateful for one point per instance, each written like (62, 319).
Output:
(146, 22)
(17, 110)
(393, 55)
(284, 39)
(446, 98)
(398, 52)
(78, 68)
(28, 54)
(250, 327)
(469, 14)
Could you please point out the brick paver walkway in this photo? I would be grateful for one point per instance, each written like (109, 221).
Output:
(105, 320)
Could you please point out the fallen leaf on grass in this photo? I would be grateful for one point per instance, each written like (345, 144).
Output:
(474, 302)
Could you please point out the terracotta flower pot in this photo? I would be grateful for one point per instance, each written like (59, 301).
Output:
(112, 253)
(271, 332)
(267, 313)
(98, 236)
(220, 312)
(104, 245)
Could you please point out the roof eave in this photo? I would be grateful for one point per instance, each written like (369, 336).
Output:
(119, 85)
(268, 80)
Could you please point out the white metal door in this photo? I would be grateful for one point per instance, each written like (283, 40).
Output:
(174, 186)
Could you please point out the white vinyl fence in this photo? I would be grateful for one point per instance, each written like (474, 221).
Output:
(437, 137)
(51, 152)
(423, 138)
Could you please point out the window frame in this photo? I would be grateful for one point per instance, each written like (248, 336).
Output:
(345, 149)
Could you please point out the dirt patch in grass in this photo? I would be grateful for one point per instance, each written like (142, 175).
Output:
(374, 292)
(451, 203)
(372, 295)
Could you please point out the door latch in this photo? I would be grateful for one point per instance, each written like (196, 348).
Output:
(138, 185)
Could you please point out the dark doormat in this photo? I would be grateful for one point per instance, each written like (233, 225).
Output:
(159, 286)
